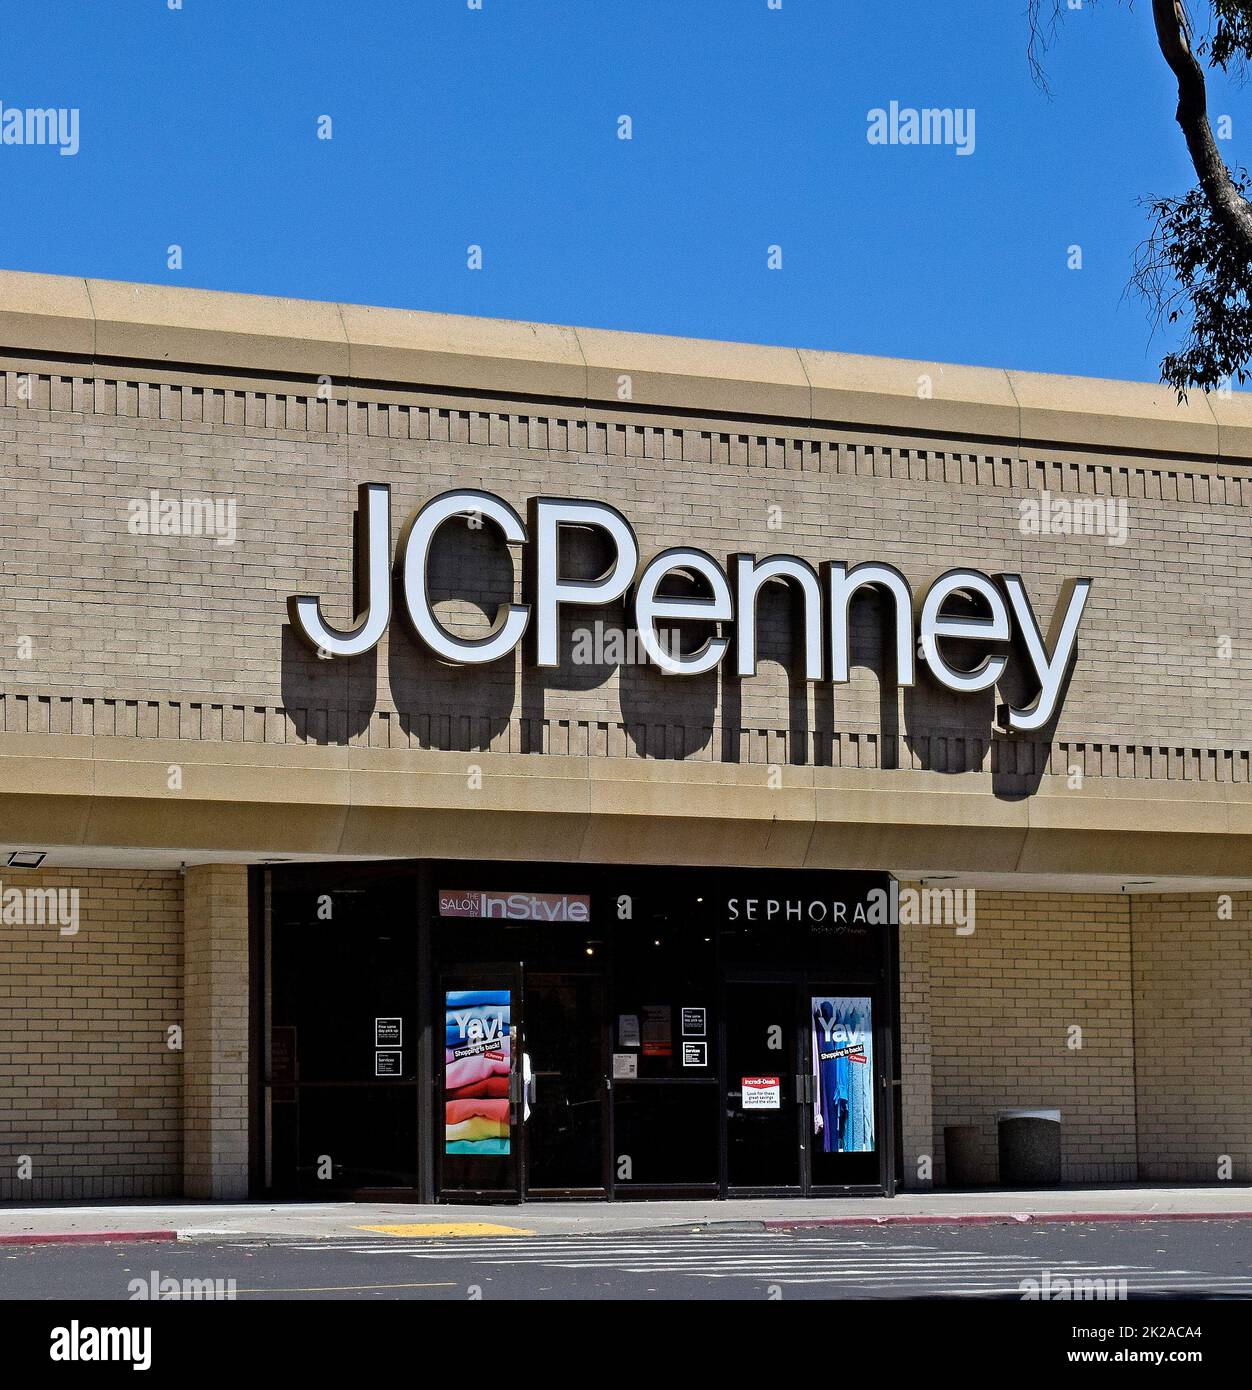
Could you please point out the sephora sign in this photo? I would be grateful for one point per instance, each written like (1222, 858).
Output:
(994, 610)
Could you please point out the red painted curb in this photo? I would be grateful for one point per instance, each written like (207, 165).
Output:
(1004, 1219)
(88, 1237)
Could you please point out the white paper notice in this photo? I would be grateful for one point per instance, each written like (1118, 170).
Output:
(762, 1092)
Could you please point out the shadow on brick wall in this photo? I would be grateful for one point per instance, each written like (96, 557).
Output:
(328, 702)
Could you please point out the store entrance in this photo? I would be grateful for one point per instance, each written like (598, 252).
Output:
(802, 1088)
(606, 1032)
(522, 1092)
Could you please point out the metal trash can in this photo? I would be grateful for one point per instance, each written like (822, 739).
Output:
(1030, 1148)
(960, 1157)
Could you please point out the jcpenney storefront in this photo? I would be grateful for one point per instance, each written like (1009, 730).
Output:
(463, 759)
(482, 1031)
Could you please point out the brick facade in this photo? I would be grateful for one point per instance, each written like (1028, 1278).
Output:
(92, 1091)
(1193, 1008)
(154, 699)
(1154, 1084)
(202, 648)
(215, 1093)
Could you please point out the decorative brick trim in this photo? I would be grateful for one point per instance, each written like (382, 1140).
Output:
(945, 751)
(801, 449)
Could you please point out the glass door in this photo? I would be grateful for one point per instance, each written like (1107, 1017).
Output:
(764, 1083)
(341, 1054)
(523, 1084)
(480, 1092)
(804, 1087)
(562, 1040)
(844, 1090)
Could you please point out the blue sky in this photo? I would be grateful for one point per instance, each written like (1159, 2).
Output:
(498, 127)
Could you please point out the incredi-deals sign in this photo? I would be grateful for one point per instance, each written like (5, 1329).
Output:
(723, 597)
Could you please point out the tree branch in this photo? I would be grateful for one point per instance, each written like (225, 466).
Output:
(1173, 34)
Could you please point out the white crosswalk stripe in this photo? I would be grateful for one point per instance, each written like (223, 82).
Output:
(765, 1257)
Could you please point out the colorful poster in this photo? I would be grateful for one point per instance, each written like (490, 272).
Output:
(477, 1056)
(843, 1074)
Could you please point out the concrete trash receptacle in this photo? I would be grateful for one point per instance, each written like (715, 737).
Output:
(1030, 1148)
(960, 1156)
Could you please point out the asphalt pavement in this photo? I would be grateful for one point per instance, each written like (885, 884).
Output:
(1054, 1261)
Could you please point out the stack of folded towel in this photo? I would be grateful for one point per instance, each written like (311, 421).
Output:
(477, 1056)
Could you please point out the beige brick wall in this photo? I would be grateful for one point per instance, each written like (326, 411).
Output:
(1160, 1088)
(916, 1058)
(92, 1093)
(1002, 1004)
(1193, 1036)
(196, 649)
(215, 1116)
(191, 621)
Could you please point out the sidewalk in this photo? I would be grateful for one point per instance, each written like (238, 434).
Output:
(136, 1221)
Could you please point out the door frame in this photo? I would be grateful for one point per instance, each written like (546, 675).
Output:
(794, 980)
(603, 1027)
(805, 984)
(818, 983)
(498, 975)
(513, 975)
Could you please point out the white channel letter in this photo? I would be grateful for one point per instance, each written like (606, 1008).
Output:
(716, 606)
(511, 618)
(372, 562)
(548, 592)
(990, 629)
(1050, 670)
(751, 575)
(841, 584)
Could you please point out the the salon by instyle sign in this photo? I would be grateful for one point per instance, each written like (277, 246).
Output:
(994, 609)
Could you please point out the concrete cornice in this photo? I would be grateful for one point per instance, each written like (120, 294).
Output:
(335, 801)
(109, 321)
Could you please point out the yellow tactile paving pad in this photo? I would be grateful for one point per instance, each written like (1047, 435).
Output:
(448, 1228)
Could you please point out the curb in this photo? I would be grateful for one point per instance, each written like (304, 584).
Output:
(1024, 1218)
(88, 1237)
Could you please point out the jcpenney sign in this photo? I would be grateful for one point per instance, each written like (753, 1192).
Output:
(728, 600)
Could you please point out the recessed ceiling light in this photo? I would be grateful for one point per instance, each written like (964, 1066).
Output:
(27, 858)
